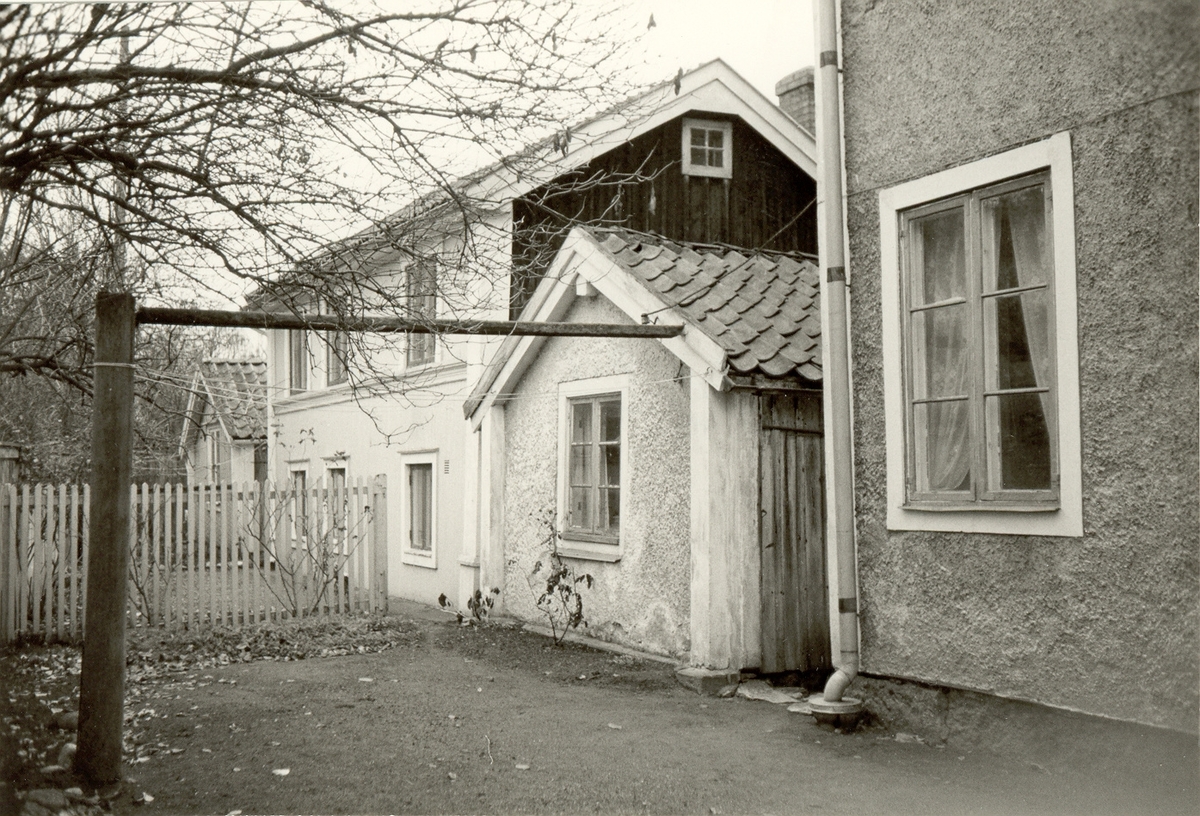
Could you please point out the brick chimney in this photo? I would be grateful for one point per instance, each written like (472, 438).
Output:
(796, 97)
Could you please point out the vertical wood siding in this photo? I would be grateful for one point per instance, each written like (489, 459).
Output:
(795, 617)
(767, 204)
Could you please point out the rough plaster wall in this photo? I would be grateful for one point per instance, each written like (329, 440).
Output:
(1107, 623)
(641, 601)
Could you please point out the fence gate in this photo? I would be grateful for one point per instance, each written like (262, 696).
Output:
(200, 555)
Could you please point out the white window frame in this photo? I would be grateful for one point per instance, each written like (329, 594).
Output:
(408, 555)
(1066, 519)
(597, 386)
(295, 375)
(411, 339)
(690, 169)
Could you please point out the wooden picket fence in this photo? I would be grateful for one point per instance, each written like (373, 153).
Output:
(200, 555)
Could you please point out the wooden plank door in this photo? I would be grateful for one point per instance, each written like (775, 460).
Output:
(795, 614)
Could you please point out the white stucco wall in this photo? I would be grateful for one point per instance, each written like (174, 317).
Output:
(417, 413)
(642, 600)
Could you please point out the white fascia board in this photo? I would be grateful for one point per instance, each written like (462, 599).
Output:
(712, 88)
(693, 347)
(550, 301)
(190, 412)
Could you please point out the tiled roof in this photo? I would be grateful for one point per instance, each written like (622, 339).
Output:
(762, 308)
(238, 389)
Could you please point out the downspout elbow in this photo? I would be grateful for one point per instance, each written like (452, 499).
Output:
(841, 679)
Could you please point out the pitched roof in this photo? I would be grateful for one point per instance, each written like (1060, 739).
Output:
(237, 392)
(238, 389)
(749, 317)
(762, 308)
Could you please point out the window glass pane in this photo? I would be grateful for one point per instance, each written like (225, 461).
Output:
(420, 494)
(581, 464)
(942, 265)
(610, 511)
(1014, 240)
(716, 158)
(698, 137)
(610, 421)
(699, 156)
(941, 352)
(942, 431)
(581, 422)
(581, 508)
(716, 139)
(298, 362)
(1019, 455)
(612, 465)
(1017, 337)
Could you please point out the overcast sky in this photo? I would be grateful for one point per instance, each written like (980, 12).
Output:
(763, 40)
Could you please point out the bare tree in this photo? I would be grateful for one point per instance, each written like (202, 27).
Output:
(210, 150)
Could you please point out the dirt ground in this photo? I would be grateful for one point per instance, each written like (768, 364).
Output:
(467, 720)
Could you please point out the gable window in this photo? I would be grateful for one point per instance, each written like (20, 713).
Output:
(297, 360)
(593, 476)
(980, 358)
(419, 509)
(421, 288)
(337, 347)
(707, 148)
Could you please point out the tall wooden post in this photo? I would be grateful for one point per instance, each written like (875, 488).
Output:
(102, 682)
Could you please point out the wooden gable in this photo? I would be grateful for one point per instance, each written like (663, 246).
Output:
(767, 203)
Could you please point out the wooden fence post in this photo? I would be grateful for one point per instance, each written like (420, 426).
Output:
(379, 545)
(102, 679)
(8, 562)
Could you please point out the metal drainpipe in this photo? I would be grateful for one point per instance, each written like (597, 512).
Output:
(832, 706)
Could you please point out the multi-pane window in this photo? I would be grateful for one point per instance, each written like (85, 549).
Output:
(337, 347)
(421, 288)
(297, 360)
(420, 506)
(594, 467)
(707, 148)
(980, 381)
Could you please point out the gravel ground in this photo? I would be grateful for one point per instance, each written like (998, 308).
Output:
(465, 720)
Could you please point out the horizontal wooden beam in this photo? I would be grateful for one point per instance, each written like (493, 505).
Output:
(271, 320)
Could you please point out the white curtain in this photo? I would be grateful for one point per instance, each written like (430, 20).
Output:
(946, 342)
(1027, 220)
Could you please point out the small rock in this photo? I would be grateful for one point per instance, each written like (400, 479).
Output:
(282, 771)
(143, 798)
(66, 720)
(50, 770)
(614, 726)
(521, 766)
(902, 737)
(728, 691)
(51, 798)
(452, 776)
(800, 708)
(761, 690)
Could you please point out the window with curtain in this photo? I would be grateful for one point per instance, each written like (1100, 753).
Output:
(594, 468)
(421, 289)
(979, 376)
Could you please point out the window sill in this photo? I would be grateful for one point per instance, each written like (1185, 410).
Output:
(972, 507)
(418, 558)
(590, 551)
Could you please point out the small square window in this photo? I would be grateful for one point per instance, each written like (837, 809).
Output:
(707, 148)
